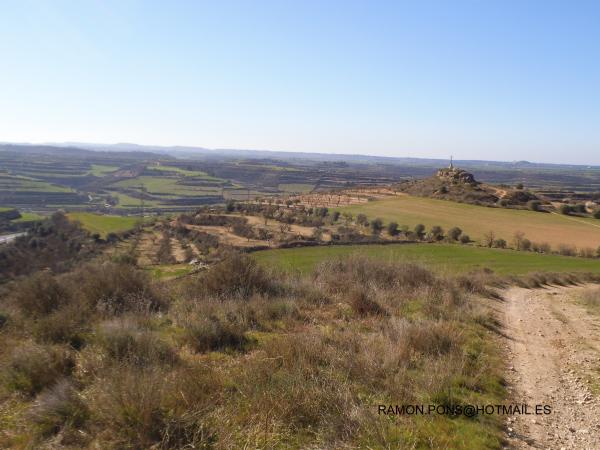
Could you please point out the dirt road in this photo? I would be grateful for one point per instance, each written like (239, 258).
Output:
(553, 359)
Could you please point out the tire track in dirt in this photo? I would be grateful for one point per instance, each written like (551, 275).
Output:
(554, 359)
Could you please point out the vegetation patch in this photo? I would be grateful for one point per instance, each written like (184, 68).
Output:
(104, 224)
(452, 258)
(476, 221)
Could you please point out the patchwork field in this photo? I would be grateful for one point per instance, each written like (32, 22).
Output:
(104, 224)
(474, 220)
(451, 258)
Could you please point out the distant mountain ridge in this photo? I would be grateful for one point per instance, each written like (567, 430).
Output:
(190, 152)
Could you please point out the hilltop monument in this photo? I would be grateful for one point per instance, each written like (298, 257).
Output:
(455, 175)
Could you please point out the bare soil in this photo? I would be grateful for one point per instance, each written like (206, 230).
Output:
(553, 359)
(227, 237)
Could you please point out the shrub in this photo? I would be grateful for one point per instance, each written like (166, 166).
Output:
(437, 233)
(465, 239)
(361, 219)
(32, 368)
(392, 229)
(212, 333)
(500, 243)
(116, 288)
(540, 247)
(238, 276)
(67, 325)
(124, 341)
(518, 240)
(58, 407)
(376, 226)
(40, 294)
(488, 239)
(454, 233)
(587, 252)
(534, 205)
(567, 250)
(130, 403)
(343, 275)
(419, 231)
(596, 214)
(362, 305)
(565, 209)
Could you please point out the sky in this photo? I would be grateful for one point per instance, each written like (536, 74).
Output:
(499, 80)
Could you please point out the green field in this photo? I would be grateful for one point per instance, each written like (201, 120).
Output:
(28, 217)
(475, 220)
(100, 170)
(184, 172)
(452, 258)
(166, 186)
(104, 224)
(19, 183)
(296, 187)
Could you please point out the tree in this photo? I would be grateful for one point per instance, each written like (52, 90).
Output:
(437, 233)
(464, 239)
(335, 216)
(488, 239)
(519, 186)
(362, 220)
(321, 212)
(565, 209)
(500, 243)
(454, 233)
(518, 239)
(534, 205)
(420, 231)
(392, 229)
(230, 206)
(596, 214)
(376, 225)
(526, 245)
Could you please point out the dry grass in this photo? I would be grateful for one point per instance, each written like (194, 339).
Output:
(243, 358)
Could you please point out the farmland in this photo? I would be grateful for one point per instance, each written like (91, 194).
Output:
(104, 224)
(476, 220)
(444, 257)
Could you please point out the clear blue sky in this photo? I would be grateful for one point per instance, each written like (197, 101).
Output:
(503, 80)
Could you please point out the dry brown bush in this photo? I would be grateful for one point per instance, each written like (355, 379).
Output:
(237, 276)
(124, 341)
(32, 367)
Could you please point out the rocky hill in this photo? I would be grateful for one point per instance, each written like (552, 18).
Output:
(453, 183)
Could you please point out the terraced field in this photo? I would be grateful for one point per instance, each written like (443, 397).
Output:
(475, 221)
(445, 257)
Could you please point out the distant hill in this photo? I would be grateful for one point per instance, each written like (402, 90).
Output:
(460, 185)
(192, 152)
